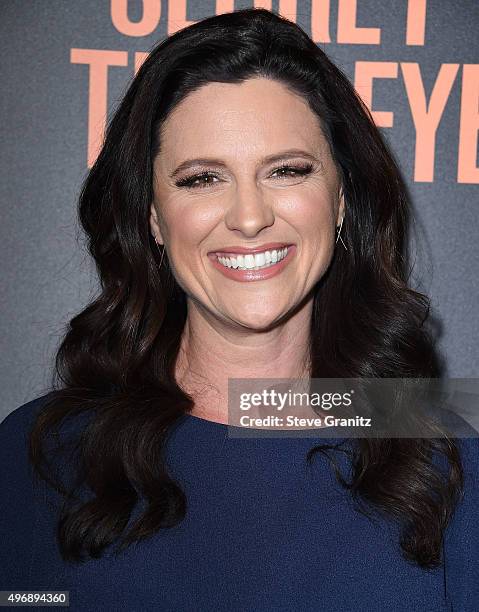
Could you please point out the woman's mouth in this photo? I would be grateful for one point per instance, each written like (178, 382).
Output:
(259, 265)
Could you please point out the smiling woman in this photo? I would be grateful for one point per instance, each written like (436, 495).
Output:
(247, 221)
(259, 202)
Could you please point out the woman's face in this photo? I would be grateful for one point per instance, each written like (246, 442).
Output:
(246, 240)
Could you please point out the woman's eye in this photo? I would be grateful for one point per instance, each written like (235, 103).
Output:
(191, 181)
(205, 179)
(286, 171)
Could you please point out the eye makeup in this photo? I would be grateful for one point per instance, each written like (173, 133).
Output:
(297, 170)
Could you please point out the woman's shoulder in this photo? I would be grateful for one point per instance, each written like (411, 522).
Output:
(469, 451)
(18, 498)
(15, 469)
(461, 542)
(19, 420)
(469, 503)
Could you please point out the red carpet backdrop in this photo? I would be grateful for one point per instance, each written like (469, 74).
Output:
(66, 64)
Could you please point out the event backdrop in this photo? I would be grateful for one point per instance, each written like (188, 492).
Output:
(66, 64)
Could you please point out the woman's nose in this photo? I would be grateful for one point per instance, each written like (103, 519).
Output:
(248, 212)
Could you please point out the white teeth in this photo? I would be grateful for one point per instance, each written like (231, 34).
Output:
(249, 262)
(259, 259)
(254, 262)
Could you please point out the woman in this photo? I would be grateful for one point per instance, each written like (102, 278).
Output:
(238, 136)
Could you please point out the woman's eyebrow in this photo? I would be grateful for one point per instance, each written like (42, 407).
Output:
(203, 161)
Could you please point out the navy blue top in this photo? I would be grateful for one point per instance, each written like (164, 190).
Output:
(263, 532)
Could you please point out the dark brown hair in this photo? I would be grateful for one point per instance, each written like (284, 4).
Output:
(116, 362)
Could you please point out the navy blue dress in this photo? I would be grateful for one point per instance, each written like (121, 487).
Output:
(263, 532)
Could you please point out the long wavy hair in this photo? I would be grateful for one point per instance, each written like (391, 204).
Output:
(116, 362)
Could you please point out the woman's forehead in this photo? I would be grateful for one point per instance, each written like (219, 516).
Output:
(253, 114)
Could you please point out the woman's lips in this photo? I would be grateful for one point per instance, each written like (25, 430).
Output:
(245, 250)
(253, 275)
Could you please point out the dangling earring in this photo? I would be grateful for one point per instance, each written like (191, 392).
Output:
(162, 253)
(339, 237)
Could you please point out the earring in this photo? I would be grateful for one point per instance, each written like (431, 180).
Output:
(339, 237)
(162, 252)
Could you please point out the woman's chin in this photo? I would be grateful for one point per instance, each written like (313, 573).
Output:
(256, 321)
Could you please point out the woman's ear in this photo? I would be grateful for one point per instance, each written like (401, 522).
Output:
(154, 225)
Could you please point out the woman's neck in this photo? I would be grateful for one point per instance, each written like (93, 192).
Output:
(211, 352)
